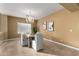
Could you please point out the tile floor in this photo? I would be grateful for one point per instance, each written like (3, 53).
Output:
(12, 47)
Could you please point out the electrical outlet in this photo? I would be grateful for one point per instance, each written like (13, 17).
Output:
(70, 30)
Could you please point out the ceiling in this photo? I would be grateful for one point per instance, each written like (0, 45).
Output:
(38, 10)
(72, 7)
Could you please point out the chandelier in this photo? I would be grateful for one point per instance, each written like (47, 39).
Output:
(29, 17)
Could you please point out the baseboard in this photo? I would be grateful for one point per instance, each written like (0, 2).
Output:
(63, 44)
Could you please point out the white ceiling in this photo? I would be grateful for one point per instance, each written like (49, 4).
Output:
(38, 10)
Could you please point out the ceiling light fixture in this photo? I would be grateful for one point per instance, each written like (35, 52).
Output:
(29, 17)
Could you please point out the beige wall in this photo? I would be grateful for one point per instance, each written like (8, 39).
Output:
(0, 22)
(66, 27)
(4, 25)
(12, 26)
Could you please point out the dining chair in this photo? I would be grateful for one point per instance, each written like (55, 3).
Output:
(37, 43)
(24, 40)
